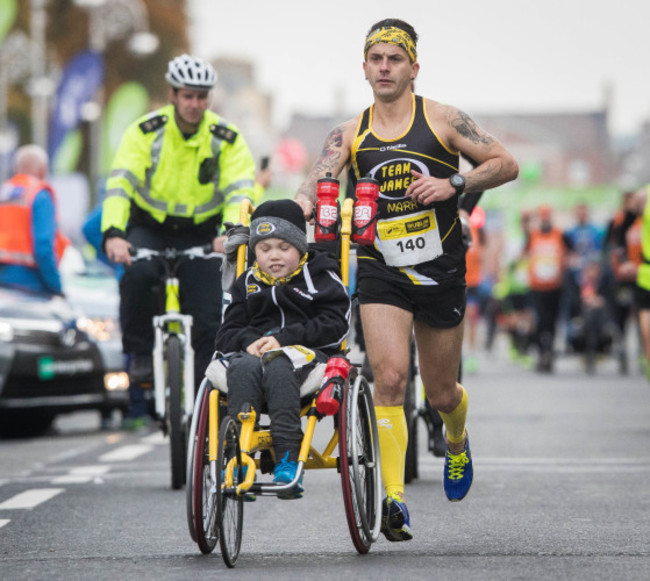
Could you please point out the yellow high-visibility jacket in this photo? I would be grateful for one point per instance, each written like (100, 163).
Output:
(165, 174)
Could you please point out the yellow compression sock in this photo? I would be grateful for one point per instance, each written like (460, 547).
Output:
(393, 439)
(455, 421)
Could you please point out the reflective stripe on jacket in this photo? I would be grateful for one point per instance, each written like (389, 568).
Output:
(165, 174)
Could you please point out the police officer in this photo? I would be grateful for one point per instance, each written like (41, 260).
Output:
(179, 173)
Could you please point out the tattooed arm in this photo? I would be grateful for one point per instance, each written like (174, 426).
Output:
(495, 166)
(334, 156)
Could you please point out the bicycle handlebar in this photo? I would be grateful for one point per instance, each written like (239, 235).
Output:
(174, 253)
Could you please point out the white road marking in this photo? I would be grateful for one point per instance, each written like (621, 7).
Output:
(125, 453)
(71, 479)
(30, 498)
(155, 438)
(81, 474)
(4, 521)
(95, 470)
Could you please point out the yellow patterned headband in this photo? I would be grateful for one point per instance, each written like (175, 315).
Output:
(391, 35)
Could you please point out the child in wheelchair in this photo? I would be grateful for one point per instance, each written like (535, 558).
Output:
(290, 310)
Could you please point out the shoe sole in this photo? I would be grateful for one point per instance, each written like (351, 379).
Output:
(396, 536)
(397, 533)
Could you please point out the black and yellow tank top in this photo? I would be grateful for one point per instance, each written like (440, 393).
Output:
(416, 244)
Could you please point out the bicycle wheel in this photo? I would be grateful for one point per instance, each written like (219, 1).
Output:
(411, 414)
(230, 506)
(359, 463)
(176, 428)
(204, 501)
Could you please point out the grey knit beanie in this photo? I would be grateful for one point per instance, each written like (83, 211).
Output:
(282, 219)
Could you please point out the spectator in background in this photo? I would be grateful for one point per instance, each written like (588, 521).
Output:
(638, 207)
(586, 241)
(624, 257)
(546, 250)
(92, 231)
(31, 244)
(473, 279)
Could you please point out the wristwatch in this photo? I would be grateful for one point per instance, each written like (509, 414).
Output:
(458, 183)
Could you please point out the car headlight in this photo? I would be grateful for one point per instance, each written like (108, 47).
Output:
(99, 328)
(6, 332)
(116, 381)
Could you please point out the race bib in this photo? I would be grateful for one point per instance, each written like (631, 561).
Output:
(299, 355)
(546, 269)
(409, 240)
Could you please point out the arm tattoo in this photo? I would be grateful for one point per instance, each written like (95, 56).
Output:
(468, 129)
(329, 161)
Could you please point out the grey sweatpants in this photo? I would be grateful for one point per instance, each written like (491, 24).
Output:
(276, 384)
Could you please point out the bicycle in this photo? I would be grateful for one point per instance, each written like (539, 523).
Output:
(173, 356)
(223, 457)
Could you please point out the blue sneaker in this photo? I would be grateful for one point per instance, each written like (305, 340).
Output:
(285, 472)
(395, 520)
(458, 473)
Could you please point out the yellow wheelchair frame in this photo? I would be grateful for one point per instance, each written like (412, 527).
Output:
(222, 462)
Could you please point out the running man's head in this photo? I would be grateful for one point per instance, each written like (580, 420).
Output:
(390, 58)
(393, 31)
(191, 80)
(278, 237)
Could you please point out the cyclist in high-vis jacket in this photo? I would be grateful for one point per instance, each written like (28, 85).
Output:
(179, 173)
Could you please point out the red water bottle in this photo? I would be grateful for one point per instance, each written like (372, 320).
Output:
(331, 391)
(327, 209)
(365, 211)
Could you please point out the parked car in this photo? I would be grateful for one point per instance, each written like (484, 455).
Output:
(59, 355)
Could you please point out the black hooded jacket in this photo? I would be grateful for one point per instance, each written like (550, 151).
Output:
(312, 309)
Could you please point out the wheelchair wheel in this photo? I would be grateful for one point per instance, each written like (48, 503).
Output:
(189, 471)
(230, 506)
(175, 427)
(204, 508)
(359, 463)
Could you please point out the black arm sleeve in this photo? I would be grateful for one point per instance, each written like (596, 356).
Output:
(468, 202)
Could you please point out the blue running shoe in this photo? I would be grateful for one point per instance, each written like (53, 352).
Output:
(284, 473)
(395, 520)
(458, 473)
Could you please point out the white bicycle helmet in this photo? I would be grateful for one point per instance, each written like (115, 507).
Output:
(189, 72)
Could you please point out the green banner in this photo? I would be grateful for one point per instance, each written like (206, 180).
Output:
(127, 103)
(560, 198)
(8, 11)
(67, 155)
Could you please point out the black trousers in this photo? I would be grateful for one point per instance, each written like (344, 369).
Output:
(142, 295)
(547, 308)
(276, 384)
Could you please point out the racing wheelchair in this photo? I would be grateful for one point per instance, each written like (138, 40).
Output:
(225, 456)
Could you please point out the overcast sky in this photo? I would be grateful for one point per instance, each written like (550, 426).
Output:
(494, 56)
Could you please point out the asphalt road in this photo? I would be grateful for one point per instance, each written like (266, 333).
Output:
(562, 465)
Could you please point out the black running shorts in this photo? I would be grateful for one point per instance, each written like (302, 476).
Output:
(440, 306)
